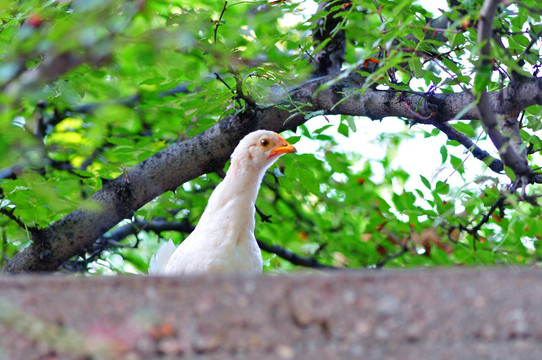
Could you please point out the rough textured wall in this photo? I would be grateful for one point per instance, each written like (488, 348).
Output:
(408, 314)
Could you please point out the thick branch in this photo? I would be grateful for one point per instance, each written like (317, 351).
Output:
(344, 97)
(208, 151)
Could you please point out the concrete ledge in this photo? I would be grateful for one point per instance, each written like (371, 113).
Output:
(409, 314)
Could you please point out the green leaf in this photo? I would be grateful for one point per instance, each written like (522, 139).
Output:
(457, 164)
(443, 153)
(466, 129)
(306, 177)
(343, 129)
(312, 114)
(293, 139)
(351, 123)
(442, 188)
(120, 141)
(482, 79)
(510, 173)
(425, 182)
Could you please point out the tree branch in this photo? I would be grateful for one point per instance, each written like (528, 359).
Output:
(381, 263)
(113, 238)
(291, 257)
(159, 225)
(331, 57)
(508, 153)
(494, 164)
(474, 229)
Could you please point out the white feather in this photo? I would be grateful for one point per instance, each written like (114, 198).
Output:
(160, 259)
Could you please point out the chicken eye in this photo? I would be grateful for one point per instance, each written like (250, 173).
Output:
(264, 142)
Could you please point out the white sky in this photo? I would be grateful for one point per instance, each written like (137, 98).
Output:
(417, 156)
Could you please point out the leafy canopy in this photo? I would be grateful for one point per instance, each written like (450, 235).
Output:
(91, 88)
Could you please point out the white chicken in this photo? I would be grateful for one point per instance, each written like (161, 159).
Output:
(223, 241)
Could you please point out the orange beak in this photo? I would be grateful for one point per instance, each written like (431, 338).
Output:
(283, 148)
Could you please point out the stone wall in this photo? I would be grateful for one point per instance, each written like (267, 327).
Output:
(406, 314)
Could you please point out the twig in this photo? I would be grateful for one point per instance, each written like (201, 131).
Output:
(219, 21)
(236, 95)
(474, 230)
(218, 77)
(534, 40)
(453, 77)
(263, 217)
(379, 13)
(441, 55)
(381, 263)
(10, 214)
(531, 9)
(293, 258)
(239, 90)
(311, 58)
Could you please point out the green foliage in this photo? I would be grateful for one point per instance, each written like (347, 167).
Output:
(87, 93)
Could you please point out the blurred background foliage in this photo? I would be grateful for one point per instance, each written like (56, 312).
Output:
(91, 88)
